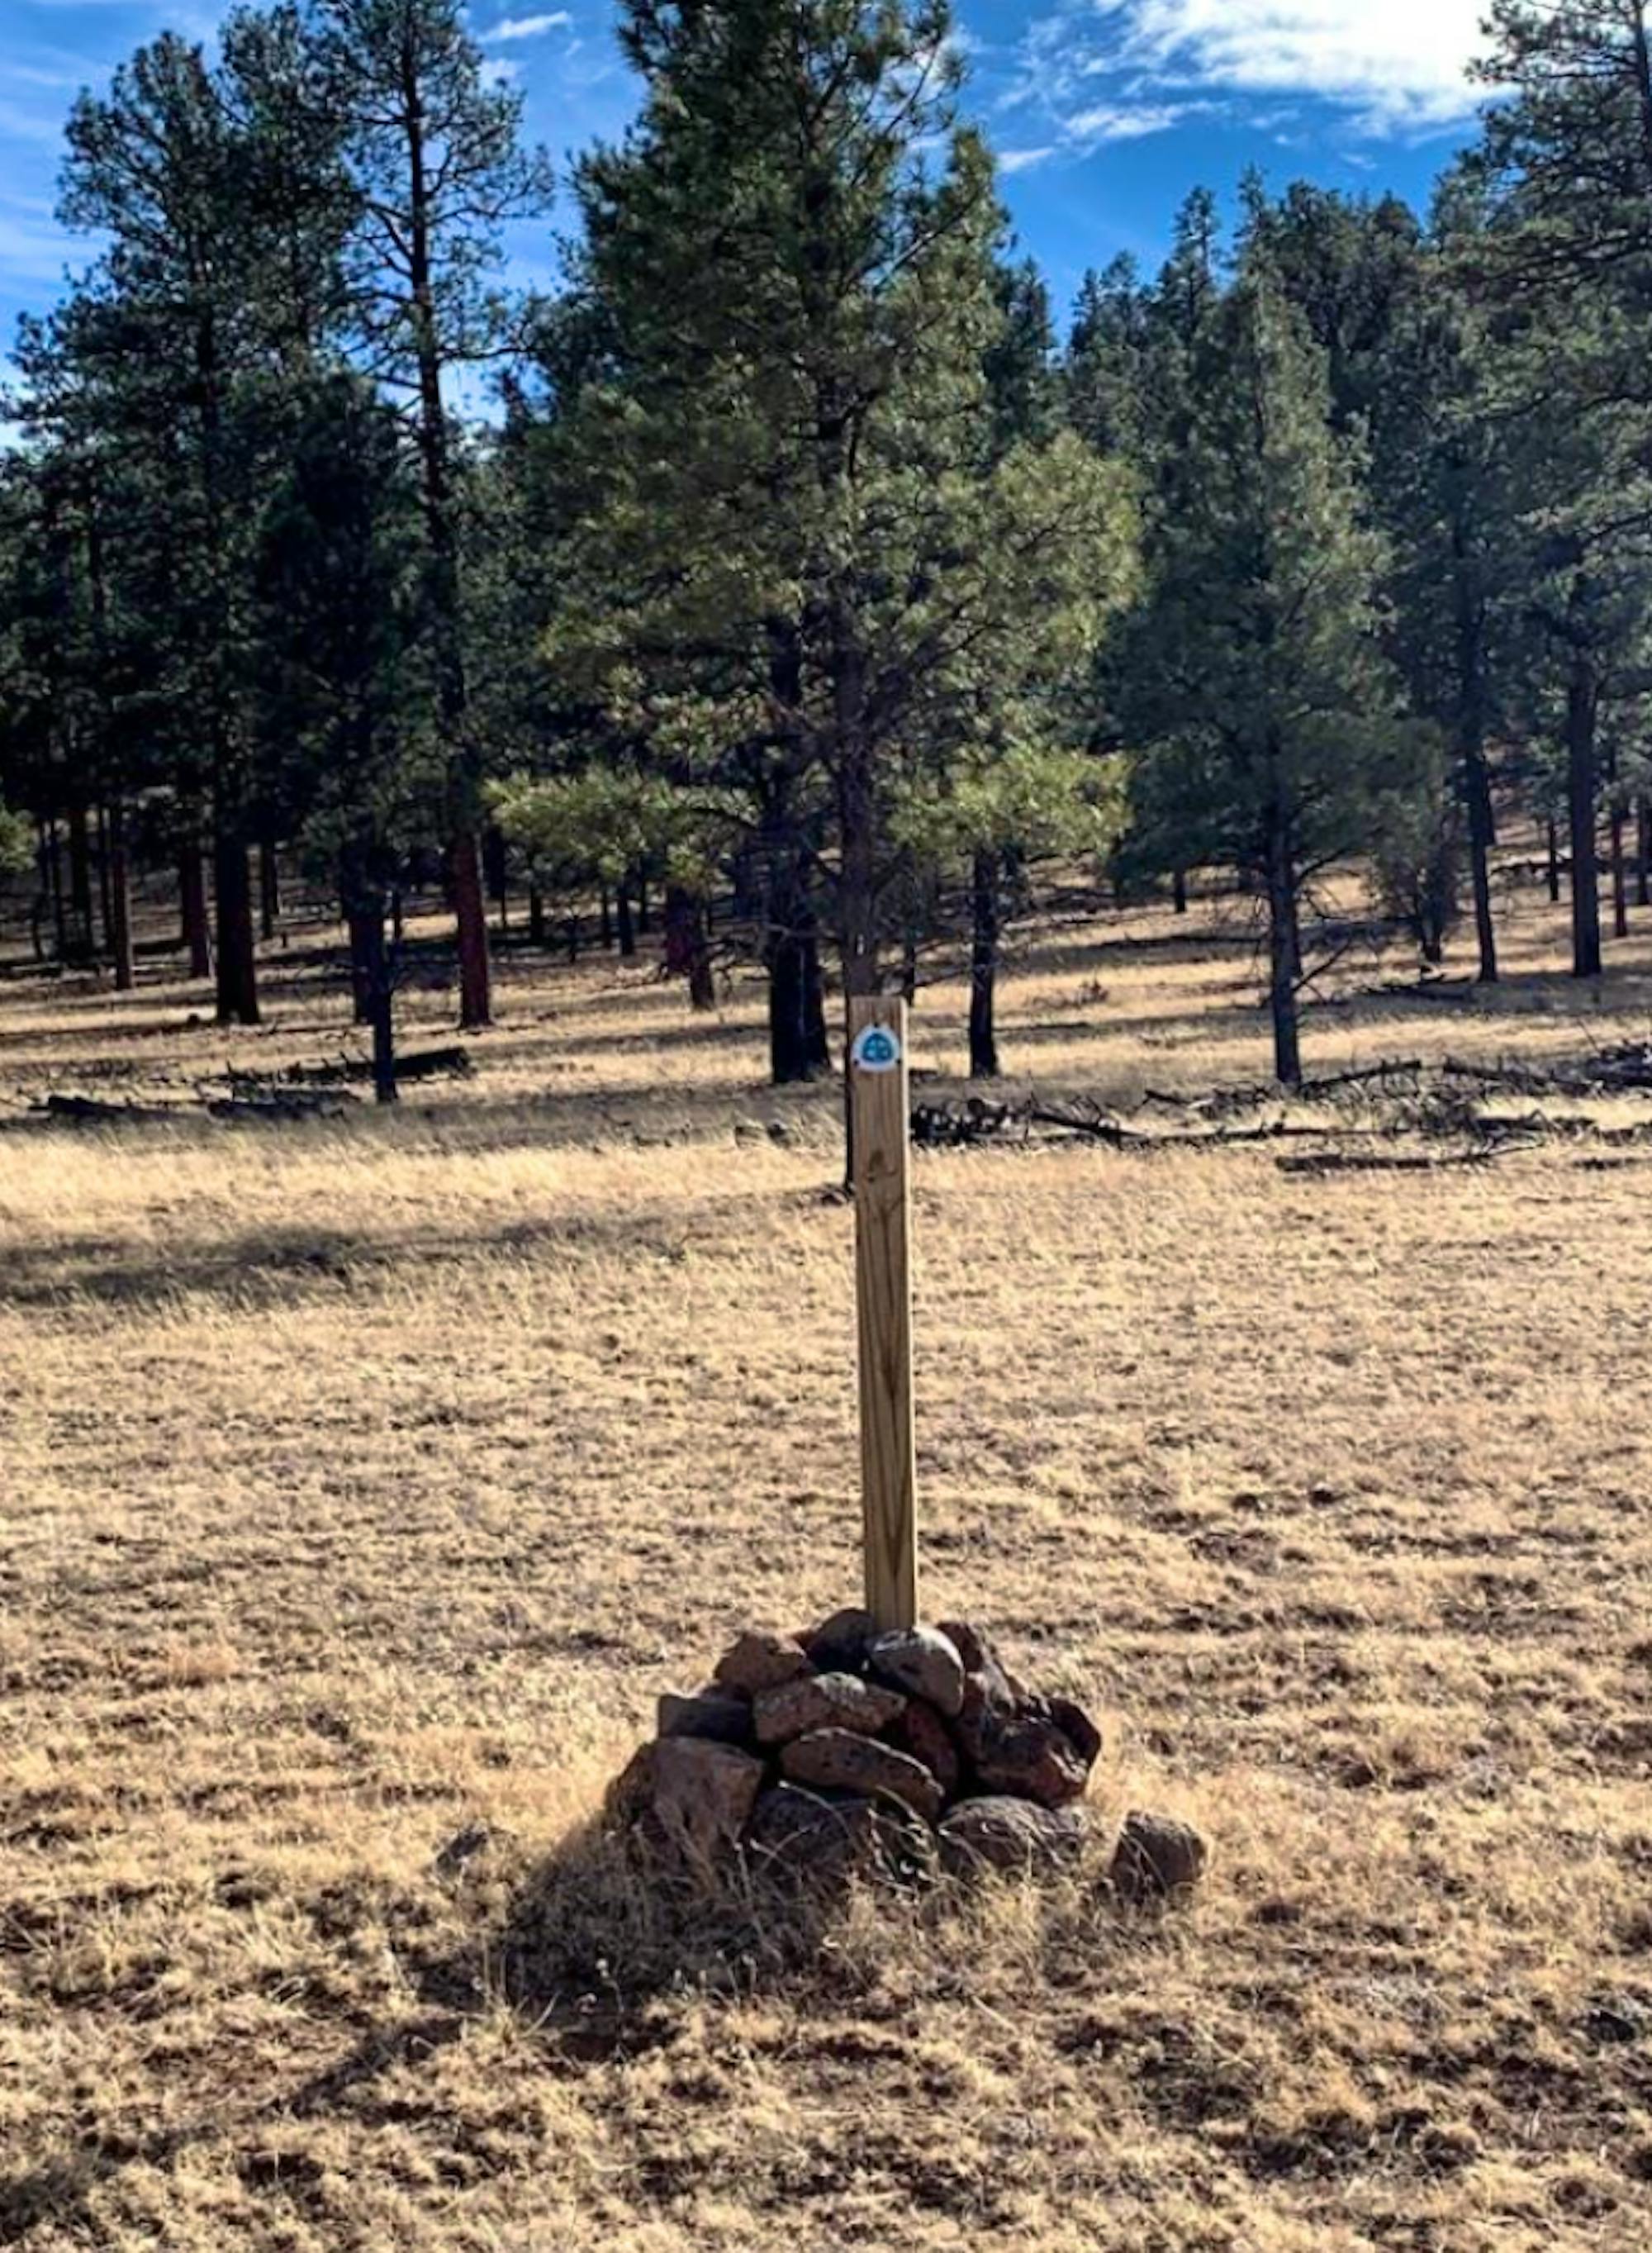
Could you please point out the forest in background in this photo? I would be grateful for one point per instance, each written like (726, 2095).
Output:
(803, 568)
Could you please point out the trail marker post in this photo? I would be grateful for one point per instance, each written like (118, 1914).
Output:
(879, 1113)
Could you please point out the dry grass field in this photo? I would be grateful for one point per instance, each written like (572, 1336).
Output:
(361, 1483)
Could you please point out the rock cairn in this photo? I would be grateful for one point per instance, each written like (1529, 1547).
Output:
(844, 1749)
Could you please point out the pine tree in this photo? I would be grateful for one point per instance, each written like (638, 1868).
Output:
(346, 683)
(439, 170)
(1255, 682)
(778, 582)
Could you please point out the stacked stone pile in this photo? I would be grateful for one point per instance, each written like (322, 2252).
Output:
(846, 1750)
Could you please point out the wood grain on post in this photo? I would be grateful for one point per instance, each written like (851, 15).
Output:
(883, 1283)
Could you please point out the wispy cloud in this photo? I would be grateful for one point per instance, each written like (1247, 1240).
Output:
(33, 248)
(1388, 68)
(1022, 160)
(529, 27)
(1398, 64)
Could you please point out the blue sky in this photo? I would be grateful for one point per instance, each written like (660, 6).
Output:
(1104, 112)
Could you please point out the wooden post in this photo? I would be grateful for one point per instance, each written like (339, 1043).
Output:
(883, 1283)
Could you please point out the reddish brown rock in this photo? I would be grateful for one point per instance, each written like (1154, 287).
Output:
(1156, 1859)
(1026, 1754)
(1000, 1833)
(838, 1645)
(921, 1732)
(1028, 1746)
(762, 1662)
(922, 1662)
(824, 1701)
(711, 1713)
(1078, 1727)
(838, 1759)
(627, 1797)
(702, 1794)
(829, 1836)
(993, 1679)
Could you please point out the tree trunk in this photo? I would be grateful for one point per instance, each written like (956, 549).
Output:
(627, 927)
(1478, 786)
(604, 917)
(799, 1049)
(371, 972)
(983, 969)
(237, 956)
(1620, 872)
(82, 933)
(106, 898)
(54, 868)
(1471, 738)
(644, 920)
(1179, 891)
(1553, 872)
(1581, 779)
(476, 978)
(269, 889)
(352, 894)
(535, 916)
(1643, 854)
(120, 879)
(570, 933)
(382, 1006)
(496, 868)
(1285, 951)
(196, 924)
(688, 954)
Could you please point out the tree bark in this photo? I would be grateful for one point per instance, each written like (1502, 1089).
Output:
(464, 872)
(1643, 854)
(237, 956)
(351, 890)
(54, 886)
(372, 974)
(688, 951)
(627, 926)
(799, 1050)
(381, 1008)
(82, 932)
(120, 876)
(268, 888)
(1619, 871)
(644, 919)
(1179, 891)
(195, 924)
(1553, 870)
(497, 868)
(106, 900)
(983, 968)
(604, 917)
(1471, 740)
(1581, 778)
(470, 904)
(535, 916)
(1285, 950)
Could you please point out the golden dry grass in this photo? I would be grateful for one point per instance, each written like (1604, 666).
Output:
(364, 1483)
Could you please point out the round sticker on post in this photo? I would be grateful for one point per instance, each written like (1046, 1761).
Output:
(875, 1049)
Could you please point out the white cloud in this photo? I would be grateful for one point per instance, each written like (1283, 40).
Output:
(1398, 64)
(529, 27)
(1022, 160)
(1127, 121)
(1388, 66)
